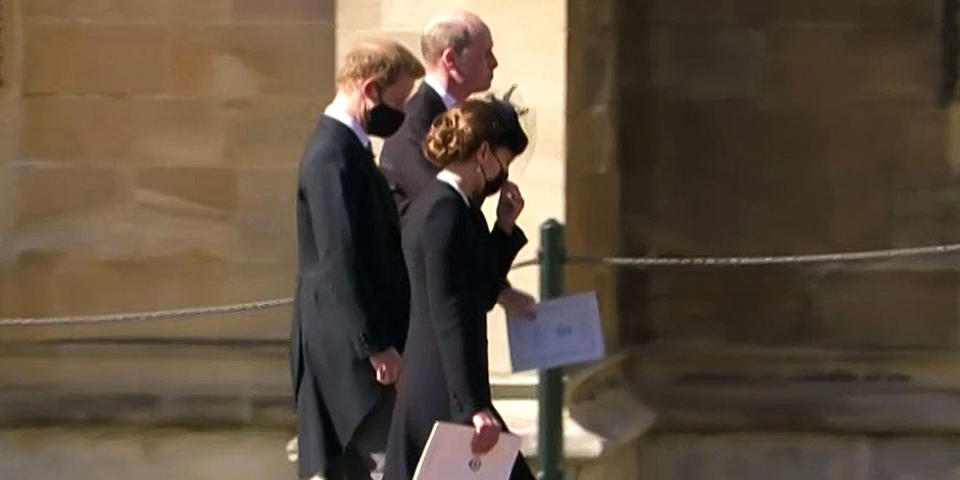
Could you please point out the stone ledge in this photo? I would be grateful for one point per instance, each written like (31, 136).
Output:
(210, 385)
(40, 407)
(121, 452)
(219, 368)
(715, 388)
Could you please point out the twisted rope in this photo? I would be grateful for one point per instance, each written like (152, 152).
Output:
(612, 261)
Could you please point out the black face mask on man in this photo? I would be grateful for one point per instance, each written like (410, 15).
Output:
(491, 185)
(383, 120)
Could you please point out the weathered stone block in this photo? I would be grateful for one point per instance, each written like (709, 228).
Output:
(864, 144)
(101, 129)
(266, 214)
(747, 305)
(24, 286)
(8, 195)
(885, 308)
(919, 458)
(810, 65)
(130, 10)
(250, 60)
(46, 193)
(926, 216)
(621, 464)
(161, 280)
(590, 15)
(360, 14)
(593, 148)
(296, 10)
(10, 49)
(105, 59)
(698, 63)
(592, 76)
(898, 15)
(900, 66)
(192, 189)
(708, 178)
(922, 160)
(405, 16)
(694, 12)
(762, 12)
(147, 454)
(751, 457)
(510, 26)
(270, 133)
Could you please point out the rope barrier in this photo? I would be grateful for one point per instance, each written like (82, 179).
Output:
(141, 316)
(771, 259)
(611, 261)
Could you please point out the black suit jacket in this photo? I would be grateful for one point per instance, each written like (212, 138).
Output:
(457, 268)
(402, 160)
(352, 295)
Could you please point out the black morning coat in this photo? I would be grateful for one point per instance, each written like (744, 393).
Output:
(457, 269)
(352, 296)
(402, 160)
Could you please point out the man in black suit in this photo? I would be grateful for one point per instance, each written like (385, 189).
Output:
(457, 49)
(353, 295)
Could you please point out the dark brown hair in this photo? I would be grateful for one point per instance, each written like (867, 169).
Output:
(458, 133)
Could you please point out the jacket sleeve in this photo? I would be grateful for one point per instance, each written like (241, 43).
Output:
(502, 249)
(455, 328)
(332, 196)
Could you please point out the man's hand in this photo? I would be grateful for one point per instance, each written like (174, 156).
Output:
(388, 365)
(486, 432)
(518, 303)
(509, 208)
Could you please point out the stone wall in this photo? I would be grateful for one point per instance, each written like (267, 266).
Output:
(149, 158)
(153, 160)
(758, 127)
(743, 127)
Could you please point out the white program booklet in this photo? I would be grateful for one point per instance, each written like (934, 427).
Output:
(448, 455)
(567, 331)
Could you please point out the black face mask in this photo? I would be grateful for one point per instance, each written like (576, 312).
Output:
(491, 186)
(383, 120)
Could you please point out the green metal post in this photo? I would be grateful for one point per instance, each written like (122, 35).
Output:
(550, 391)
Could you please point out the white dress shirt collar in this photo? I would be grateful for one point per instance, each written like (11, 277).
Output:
(337, 113)
(452, 179)
(448, 99)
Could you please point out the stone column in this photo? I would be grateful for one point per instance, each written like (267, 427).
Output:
(593, 190)
(10, 59)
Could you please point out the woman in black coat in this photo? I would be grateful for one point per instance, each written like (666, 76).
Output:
(457, 267)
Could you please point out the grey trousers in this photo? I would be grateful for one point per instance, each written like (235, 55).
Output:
(364, 456)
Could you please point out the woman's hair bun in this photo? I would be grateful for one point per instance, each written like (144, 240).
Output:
(458, 133)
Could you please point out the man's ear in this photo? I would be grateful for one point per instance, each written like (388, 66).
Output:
(369, 89)
(448, 59)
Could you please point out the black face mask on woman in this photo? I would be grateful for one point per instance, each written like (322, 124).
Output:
(493, 185)
(383, 120)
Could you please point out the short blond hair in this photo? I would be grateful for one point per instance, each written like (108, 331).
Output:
(385, 61)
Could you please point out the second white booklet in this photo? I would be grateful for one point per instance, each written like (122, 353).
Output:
(567, 330)
(447, 456)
